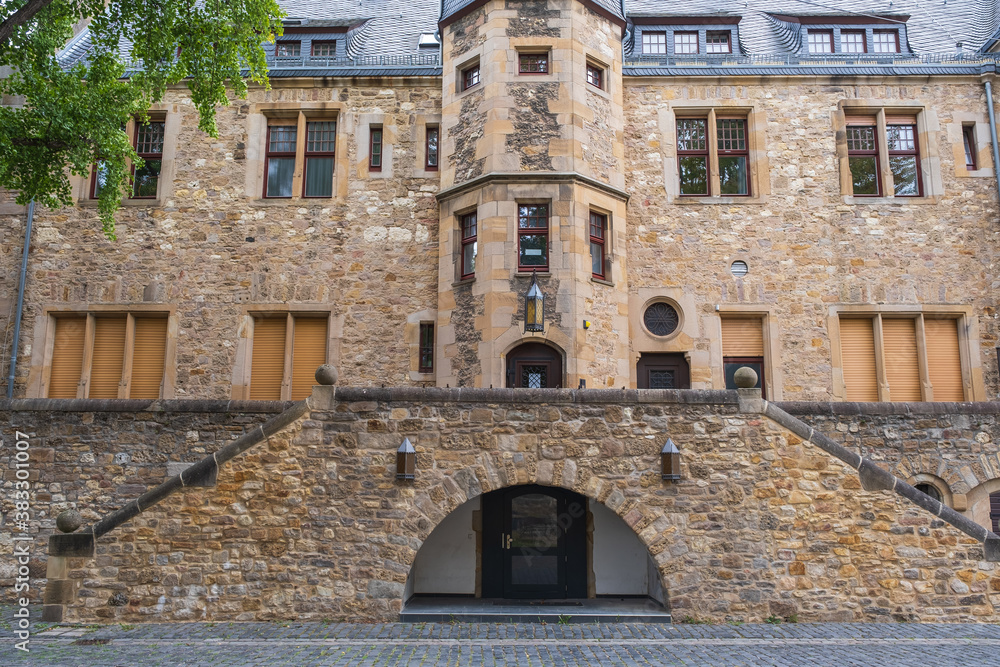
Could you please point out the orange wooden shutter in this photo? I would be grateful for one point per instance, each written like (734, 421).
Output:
(899, 349)
(308, 353)
(900, 119)
(109, 354)
(148, 354)
(860, 119)
(857, 351)
(267, 368)
(742, 337)
(944, 362)
(67, 356)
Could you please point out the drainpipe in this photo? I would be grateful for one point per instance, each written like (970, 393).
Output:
(20, 299)
(993, 133)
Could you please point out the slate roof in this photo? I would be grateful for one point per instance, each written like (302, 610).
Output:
(934, 26)
(384, 31)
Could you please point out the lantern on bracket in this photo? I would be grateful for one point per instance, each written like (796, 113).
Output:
(670, 461)
(406, 460)
(534, 307)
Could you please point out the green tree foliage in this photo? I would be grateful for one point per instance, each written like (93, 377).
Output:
(70, 118)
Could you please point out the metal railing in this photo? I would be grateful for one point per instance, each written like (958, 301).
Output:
(805, 60)
(319, 62)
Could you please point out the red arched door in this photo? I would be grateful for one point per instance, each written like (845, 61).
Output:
(534, 366)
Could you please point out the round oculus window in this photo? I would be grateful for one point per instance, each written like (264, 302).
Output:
(661, 319)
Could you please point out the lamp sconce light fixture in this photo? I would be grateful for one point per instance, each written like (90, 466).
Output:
(534, 307)
(406, 460)
(670, 461)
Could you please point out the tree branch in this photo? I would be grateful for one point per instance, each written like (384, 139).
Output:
(20, 17)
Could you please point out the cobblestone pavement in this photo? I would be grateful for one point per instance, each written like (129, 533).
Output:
(220, 644)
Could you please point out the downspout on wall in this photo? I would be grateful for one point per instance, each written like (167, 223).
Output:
(20, 299)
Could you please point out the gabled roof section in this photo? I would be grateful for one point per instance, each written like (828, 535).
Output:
(451, 8)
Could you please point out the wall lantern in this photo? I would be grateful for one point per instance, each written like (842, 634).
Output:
(534, 307)
(670, 461)
(406, 460)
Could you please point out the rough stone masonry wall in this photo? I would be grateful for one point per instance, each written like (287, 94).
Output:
(212, 249)
(314, 525)
(807, 249)
(94, 456)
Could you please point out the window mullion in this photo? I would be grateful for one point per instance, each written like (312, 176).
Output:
(885, 173)
(926, 389)
(124, 385)
(714, 186)
(88, 357)
(286, 378)
(300, 150)
(880, 374)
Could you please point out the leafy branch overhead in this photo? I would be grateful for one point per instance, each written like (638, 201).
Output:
(64, 120)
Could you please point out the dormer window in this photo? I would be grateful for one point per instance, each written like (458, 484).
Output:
(717, 42)
(288, 49)
(852, 41)
(820, 41)
(885, 41)
(685, 43)
(655, 43)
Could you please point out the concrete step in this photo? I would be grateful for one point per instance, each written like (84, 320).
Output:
(427, 609)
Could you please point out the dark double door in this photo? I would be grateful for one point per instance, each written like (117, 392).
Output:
(534, 543)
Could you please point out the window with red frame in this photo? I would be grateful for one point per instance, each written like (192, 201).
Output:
(533, 237)
(533, 63)
(431, 148)
(904, 156)
(885, 41)
(717, 42)
(853, 41)
(470, 77)
(820, 41)
(321, 137)
(375, 149)
(469, 244)
(598, 236)
(969, 143)
(426, 364)
(595, 75)
(288, 49)
(324, 49)
(862, 156)
(685, 42)
(734, 157)
(279, 160)
(148, 146)
(692, 156)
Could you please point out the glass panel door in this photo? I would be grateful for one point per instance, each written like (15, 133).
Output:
(534, 551)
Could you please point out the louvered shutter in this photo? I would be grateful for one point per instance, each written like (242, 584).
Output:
(944, 362)
(857, 350)
(109, 354)
(267, 368)
(899, 350)
(308, 353)
(742, 337)
(995, 511)
(67, 356)
(861, 119)
(148, 354)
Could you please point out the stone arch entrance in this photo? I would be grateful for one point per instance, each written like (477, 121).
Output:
(534, 366)
(534, 542)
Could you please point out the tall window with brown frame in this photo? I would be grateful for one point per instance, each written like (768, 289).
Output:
(533, 237)
(469, 245)
(598, 240)
(279, 159)
(692, 156)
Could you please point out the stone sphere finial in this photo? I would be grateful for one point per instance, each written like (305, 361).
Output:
(745, 377)
(69, 521)
(326, 375)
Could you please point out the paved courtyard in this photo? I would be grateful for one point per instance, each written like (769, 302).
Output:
(282, 643)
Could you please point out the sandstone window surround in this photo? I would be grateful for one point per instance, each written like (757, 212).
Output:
(105, 351)
(156, 143)
(970, 154)
(374, 148)
(432, 138)
(932, 484)
(533, 61)
(887, 153)
(905, 353)
(748, 334)
(717, 154)
(426, 136)
(376, 142)
(420, 336)
(295, 151)
(279, 350)
(469, 75)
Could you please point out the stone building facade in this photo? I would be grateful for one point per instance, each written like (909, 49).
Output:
(810, 194)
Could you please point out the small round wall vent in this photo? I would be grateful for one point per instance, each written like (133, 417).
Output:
(739, 268)
(661, 319)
